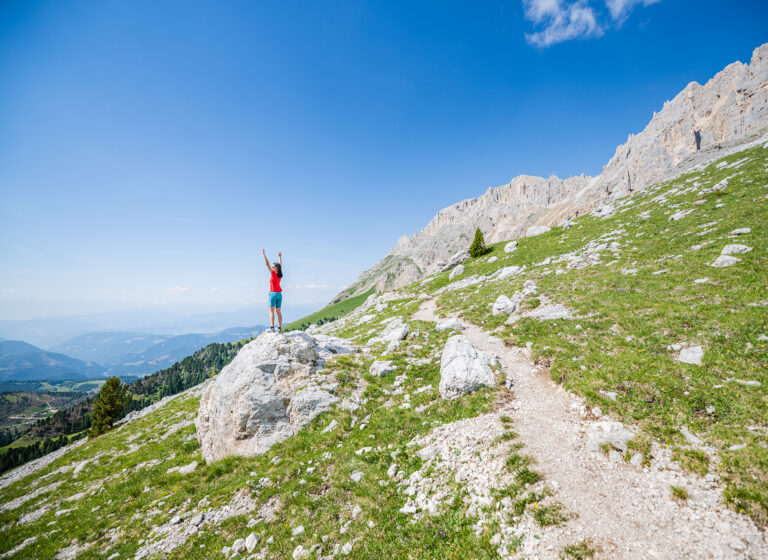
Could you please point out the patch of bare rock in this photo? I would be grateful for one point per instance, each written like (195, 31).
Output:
(265, 395)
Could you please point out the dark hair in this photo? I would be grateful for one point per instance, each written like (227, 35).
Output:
(279, 268)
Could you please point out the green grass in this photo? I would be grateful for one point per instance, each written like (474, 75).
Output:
(579, 551)
(617, 343)
(679, 493)
(625, 321)
(329, 312)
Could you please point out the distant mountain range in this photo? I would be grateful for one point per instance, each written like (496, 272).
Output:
(20, 361)
(133, 353)
(100, 354)
(48, 332)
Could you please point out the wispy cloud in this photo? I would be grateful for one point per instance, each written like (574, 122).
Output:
(8, 291)
(556, 21)
(561, 22)
(178, 289)
(620, 9)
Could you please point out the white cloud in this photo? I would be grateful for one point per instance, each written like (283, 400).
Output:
(8, 291)
(178, 289)
(561, 22)
(557, 21)
(620, 9)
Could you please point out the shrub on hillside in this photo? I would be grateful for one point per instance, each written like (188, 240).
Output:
(478, 248)
(113, 397)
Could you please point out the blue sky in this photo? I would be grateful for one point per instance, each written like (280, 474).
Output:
(148, 150)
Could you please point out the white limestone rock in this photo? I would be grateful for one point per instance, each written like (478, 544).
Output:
(613, 433)
(462, 368)
(382, 367)
(741, 231)
(536, 230)
(687, 353)
(449, 324)
(396, 329)
(549, 312)
(724, 260)
(265, 395)
(456, 272)
(503, 305)
(735, 249)
(510, 247)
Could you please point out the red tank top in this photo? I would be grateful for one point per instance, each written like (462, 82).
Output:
(274, 283)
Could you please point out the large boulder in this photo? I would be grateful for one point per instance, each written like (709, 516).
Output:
(463, 368)
(394, 330)
(265, 395)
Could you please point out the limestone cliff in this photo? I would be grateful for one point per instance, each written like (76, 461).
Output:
(698, 125)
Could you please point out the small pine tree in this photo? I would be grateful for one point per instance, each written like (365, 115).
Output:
(112, 398)
(478, 248)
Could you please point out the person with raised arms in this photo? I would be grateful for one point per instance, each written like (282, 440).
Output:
(275, 292)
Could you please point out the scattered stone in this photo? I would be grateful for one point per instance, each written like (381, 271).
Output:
(613, 433)
(715, 188)
(458, 271)
(503, 305)
(723, 261)
(493, 259)
(636, 460)
(735, 249)
(746, 382)
(687, 353)
(510, 247)
(356, 476)
(462, 368)
(185, 469)
(346, 549)
(238, 547)
(300, 553)
(331, 426)
(549, 312)
(741, 231)
(604, 211)
(17, 548)
(701, 281)
(251, 541)
(680, 214)
(449, 324)
(297, 530)
(690, 437)
(536, 230)
(392, 347)
(382, 367)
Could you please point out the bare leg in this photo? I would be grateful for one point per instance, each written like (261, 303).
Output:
(272, 317)
(279, 317)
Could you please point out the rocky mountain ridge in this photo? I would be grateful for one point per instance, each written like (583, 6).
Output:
(702, 123)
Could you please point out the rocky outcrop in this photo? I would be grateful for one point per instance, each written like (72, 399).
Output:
(463, 368)
(702, 123)
(266, 394)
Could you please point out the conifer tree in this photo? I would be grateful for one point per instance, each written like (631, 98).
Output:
(478, 248)
(113, 397)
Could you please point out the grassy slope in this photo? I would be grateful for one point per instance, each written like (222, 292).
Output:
(655, 392)
(628, 320)
(332, 311)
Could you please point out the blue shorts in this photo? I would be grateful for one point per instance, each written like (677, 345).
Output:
(275, 299)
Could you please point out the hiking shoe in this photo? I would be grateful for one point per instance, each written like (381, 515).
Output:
(279, 329)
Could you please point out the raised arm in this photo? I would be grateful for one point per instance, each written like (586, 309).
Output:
(280, 258)
(266, 261)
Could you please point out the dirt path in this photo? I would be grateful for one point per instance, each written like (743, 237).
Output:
(628, 511)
